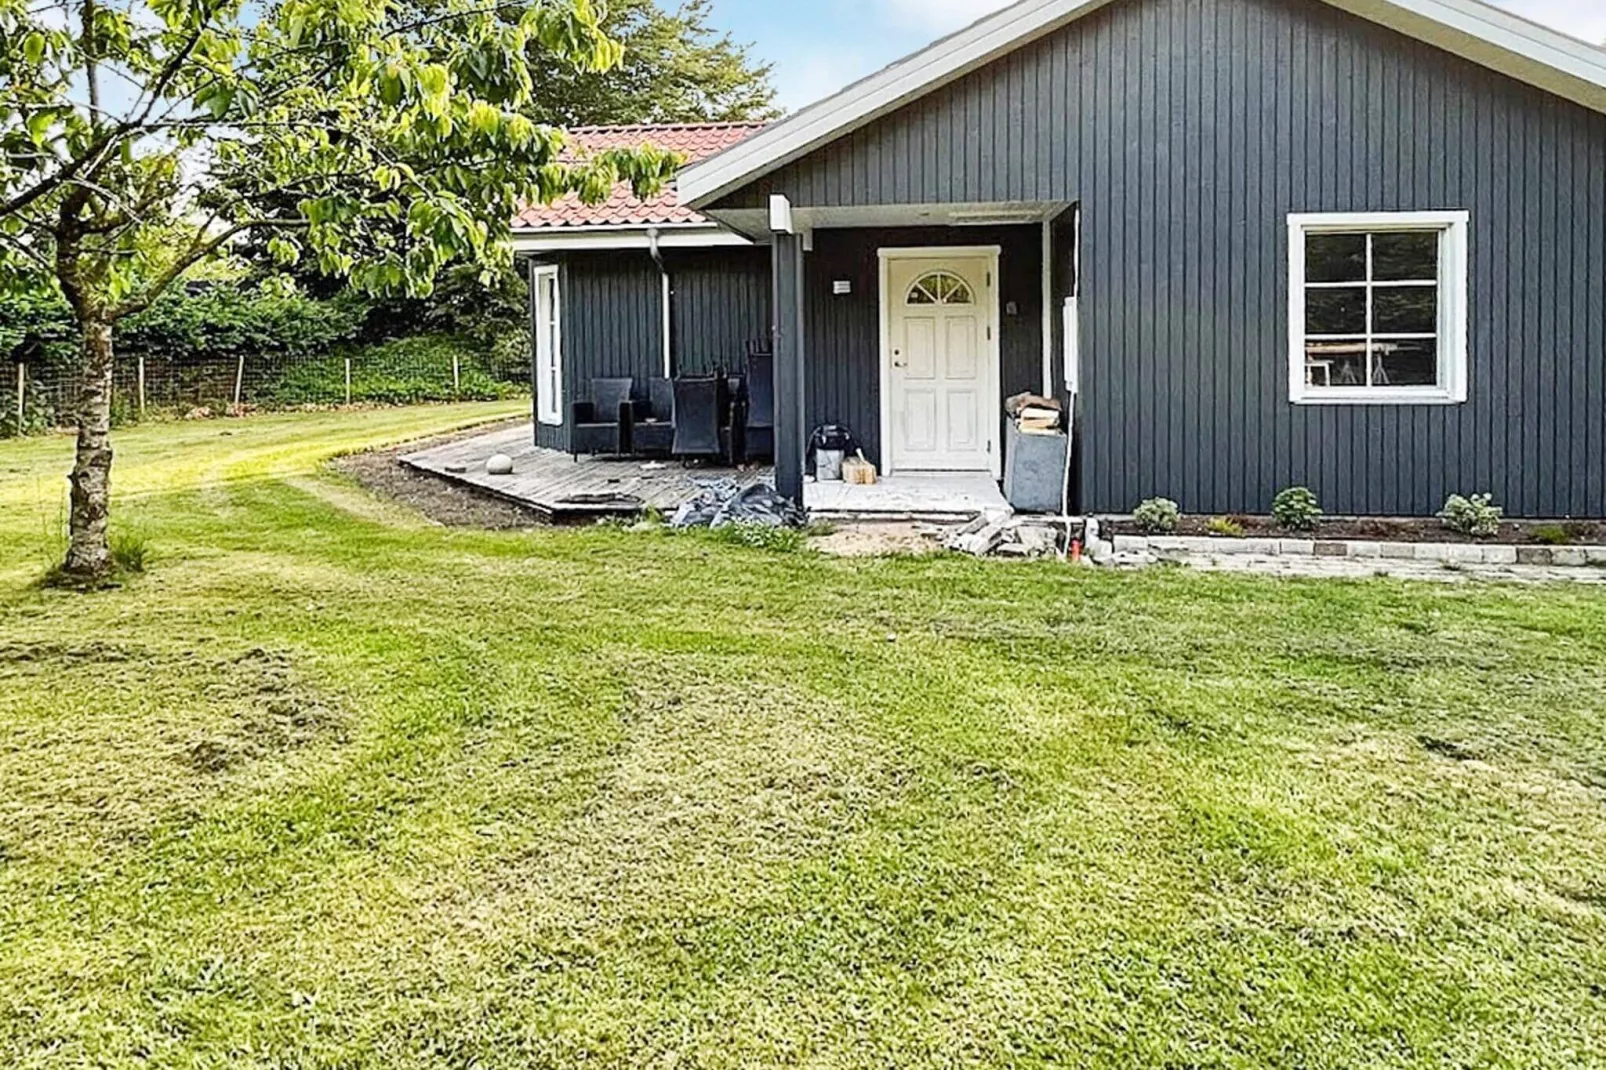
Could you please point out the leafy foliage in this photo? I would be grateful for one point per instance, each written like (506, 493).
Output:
(225, 323)
(464, 303)
(403, 372)
(1297, 509)
(381, 140)
(676, 69)
(1225, 527)
(780, 540)
(37, 414)
(1476, 516)
(1158, 516)
(36, 326)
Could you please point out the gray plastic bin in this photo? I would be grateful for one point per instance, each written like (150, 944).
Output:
(1034, 471)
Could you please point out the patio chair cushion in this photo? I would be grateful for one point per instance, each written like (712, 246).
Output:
(653, 431)
(602, 424)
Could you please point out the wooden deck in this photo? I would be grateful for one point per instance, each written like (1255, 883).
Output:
(565, 490)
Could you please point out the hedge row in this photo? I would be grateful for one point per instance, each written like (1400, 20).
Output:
(294, 350)
(216, 324)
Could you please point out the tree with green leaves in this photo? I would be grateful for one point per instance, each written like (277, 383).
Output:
(382, 140)
(676, 69)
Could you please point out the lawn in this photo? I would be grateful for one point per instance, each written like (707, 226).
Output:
(330, 786)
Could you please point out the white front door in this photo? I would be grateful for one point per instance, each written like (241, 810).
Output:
(942, 363)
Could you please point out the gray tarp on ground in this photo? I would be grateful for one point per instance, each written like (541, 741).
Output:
(723, 503)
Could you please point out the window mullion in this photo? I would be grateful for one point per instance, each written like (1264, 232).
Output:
(1371, 371)
(1442, 309)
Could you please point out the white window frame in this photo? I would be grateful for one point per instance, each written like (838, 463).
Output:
(548, 348)
(1452, 228)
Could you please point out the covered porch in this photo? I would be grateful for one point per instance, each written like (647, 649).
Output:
(912, 324)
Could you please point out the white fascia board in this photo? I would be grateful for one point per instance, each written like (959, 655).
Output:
(580, 239)
(1497, 39)
(1472, 29)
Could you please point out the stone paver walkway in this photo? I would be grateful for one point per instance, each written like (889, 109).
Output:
(1363, 568)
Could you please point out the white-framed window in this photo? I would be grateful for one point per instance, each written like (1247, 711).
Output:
(1377, 308)
(548, 347)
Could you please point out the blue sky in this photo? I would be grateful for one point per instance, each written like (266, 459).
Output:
(818, 46)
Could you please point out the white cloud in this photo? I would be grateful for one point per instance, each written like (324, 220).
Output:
(817, 75)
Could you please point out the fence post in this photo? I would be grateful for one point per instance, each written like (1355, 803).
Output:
(348, 382)
(457, 374)
(239, 380)
(22, 387)
(140, 376)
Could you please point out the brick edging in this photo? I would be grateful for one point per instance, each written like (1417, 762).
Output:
(1452, 553)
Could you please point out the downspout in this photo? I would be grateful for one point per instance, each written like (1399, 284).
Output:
(663, 273)
(1071, 373)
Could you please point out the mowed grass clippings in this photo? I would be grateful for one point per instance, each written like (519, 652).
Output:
(331, 786)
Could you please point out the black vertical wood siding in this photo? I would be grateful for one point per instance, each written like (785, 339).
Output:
(720, 302)
(1189, 129)
(613, 318)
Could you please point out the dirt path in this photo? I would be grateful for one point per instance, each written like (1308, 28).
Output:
(382, 473)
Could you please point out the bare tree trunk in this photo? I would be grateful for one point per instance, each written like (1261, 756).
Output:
(88, 552)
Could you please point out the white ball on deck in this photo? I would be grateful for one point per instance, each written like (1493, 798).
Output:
(499, 465)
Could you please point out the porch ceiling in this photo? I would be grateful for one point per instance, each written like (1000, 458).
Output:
(755, 222)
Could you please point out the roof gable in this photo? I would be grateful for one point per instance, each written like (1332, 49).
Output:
(694, 141)
(1472, 29)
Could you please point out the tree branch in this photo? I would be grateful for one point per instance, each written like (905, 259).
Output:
(198, 251)
(27, 251)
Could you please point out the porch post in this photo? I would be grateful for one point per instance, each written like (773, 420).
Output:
(790, 432)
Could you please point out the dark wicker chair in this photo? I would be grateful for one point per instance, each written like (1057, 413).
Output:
(652, 431)
(759, 437)
(702, 406)
(602, 425)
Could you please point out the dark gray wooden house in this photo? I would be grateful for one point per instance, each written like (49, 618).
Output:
(1353, 244)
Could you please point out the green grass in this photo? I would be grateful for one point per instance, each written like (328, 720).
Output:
(329, 786)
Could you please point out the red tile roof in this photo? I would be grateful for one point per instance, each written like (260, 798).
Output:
(694, 141)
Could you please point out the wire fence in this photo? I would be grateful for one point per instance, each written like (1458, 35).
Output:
(42, 397)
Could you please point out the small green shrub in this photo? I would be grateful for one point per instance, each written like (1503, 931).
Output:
(1158, 516)
(1553, 535)
(1225, 527)
(130, 551)
(1474, 516)
(38, 414)
(1297, 509)
(124, 409)
(762, 537)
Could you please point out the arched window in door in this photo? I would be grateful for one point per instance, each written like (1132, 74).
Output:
(940, 288)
